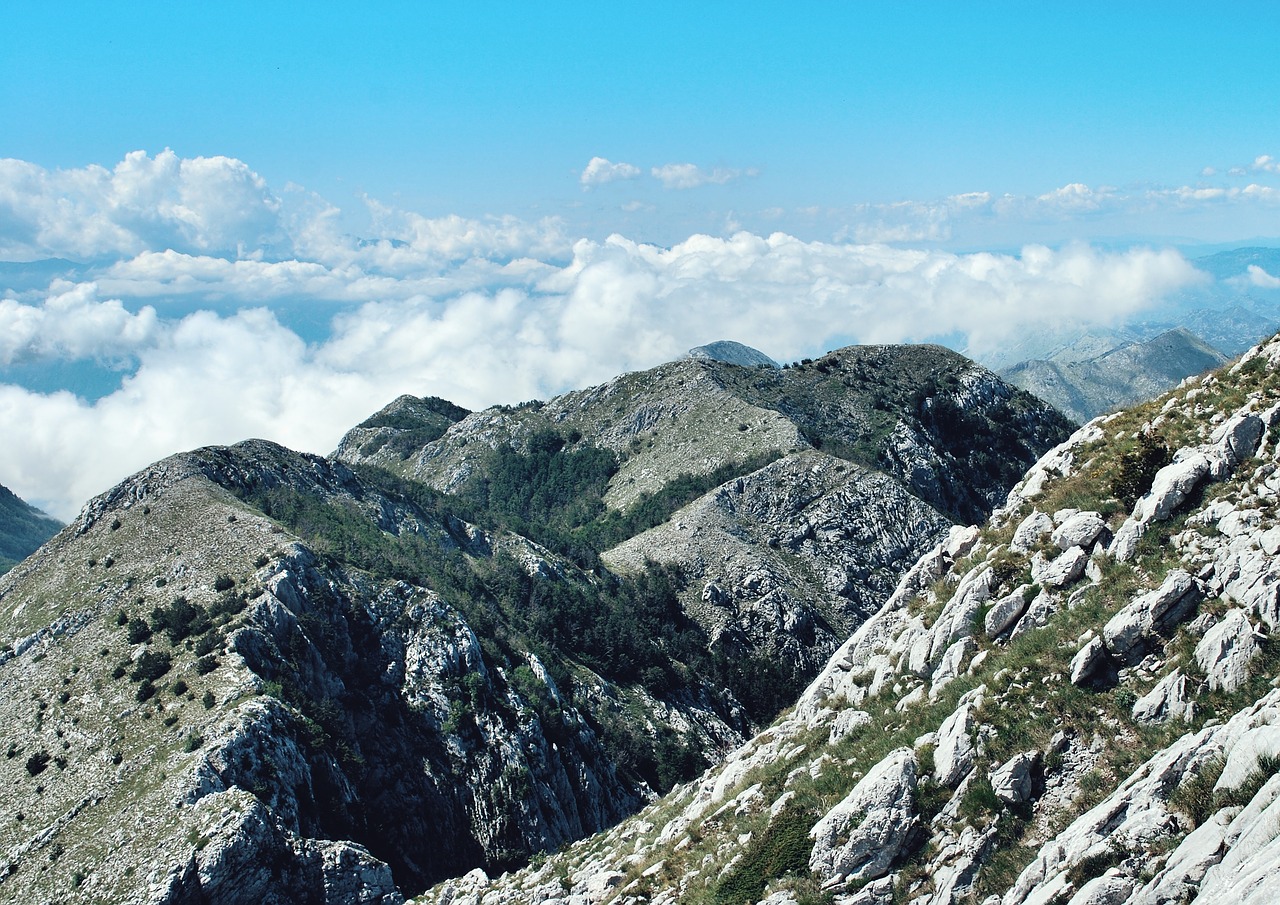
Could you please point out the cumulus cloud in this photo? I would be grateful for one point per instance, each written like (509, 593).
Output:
(600, 170)
(72, 323)
(1266, 163)
(199, 204)
(691, 176)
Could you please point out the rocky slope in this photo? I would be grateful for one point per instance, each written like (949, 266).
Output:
(251, 675)
(1084, 387)
(23, 528)
(1074, 704)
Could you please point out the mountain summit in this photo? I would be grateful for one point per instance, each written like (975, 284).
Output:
(733, 353)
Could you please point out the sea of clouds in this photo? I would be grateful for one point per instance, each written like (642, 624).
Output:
(193, 280)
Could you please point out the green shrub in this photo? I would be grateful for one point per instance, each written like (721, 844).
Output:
(783, 847)
(37, 763)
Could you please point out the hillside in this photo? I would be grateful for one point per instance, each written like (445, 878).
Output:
(23, 528)
(246, 674)
(1073, 704)
(1088, 386)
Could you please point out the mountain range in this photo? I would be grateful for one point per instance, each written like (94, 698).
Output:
(465, 639)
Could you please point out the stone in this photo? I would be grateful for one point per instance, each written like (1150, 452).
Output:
(1225, 651)
(1079, 530)
(862, 836)
(953, 753)
(1012, 780)
(1062, 570)
(1127, 632)
(1029, 531)
(1168, 700)
(1171, 486)
(846, 722)
(1088, 662)
(1109, 889)
(1005, 612)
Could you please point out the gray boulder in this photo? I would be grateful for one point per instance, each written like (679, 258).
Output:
(1169, 700)
(1011, 781)
(860, 838)
(1225, 651)
(1079, 530)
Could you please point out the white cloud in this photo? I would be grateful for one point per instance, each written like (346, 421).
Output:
(600, 170)
(1260, 278)
(1266, 163)
(73, 324)
(199, 204)
(691, 176)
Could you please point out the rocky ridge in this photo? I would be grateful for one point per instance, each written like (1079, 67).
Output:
(1074, 704)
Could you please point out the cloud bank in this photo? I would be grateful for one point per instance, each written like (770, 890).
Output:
(196, 266)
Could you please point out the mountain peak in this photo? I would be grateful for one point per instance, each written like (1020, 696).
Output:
(733, 353)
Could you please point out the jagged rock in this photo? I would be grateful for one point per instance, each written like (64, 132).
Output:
(860, 837)
(1062, 570)
(1187, 865)
(953, 753)
(957, 619)
(1029, 531)
(1006, 611)
(1169, 700)
(1225, 651)
(1079, 530)
(1253, 746)
(1011, 781)
(1125, 633)
(1088, 662)
(1042, 606)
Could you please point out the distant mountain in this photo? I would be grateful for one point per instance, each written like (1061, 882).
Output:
(733, 353)
(23, 528)
(1084, 388)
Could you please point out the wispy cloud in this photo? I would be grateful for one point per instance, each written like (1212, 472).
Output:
(691, 176)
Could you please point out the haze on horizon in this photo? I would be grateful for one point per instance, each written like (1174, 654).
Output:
(217, 224)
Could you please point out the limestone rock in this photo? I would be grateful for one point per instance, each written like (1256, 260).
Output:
(1088, 662)
(1225, 651)
(1062, 570)
(847, 721)
(1079, 530)
(1156, 610)
(1169, 700)
(953, 753)
(862, 835)
(1109, 889)
(1006, 611)
(1012, 780)
(1030, 530)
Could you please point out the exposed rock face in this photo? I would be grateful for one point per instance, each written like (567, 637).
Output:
(733, 353)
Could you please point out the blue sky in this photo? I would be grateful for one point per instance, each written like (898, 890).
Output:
(278, 217)
(495, 108)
